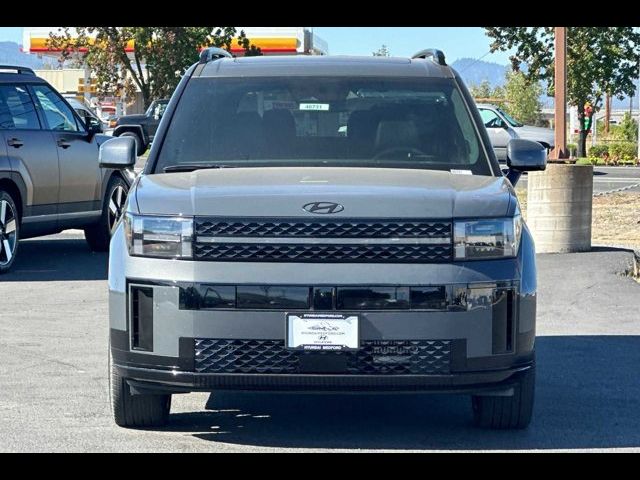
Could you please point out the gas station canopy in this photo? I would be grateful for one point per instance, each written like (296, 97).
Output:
(271, 40)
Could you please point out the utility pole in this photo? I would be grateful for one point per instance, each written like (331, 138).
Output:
(638, 159)
(560, 102)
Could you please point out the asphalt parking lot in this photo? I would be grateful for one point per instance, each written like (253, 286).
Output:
(54, 395)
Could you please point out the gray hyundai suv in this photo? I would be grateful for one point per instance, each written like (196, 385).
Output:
(322, 224)
(50, 179)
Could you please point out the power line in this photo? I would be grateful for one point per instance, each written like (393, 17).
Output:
(474, 62)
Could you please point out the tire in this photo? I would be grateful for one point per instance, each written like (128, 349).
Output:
(136, 411)
(507, 412)
(9, 231)
(98, 236)
(140, 147)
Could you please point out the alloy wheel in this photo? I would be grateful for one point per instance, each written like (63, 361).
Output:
(8, 234)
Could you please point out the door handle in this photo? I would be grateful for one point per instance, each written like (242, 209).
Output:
(63, 143)
(15, 142)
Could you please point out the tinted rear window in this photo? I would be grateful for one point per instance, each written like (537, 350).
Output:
(316, 121)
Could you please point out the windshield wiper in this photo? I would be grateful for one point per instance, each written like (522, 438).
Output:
(190, 167)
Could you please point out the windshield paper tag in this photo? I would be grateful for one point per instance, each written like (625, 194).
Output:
(322, 107)
(461, 172)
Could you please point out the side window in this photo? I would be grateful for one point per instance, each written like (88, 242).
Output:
(59, 116)
(16, 109)
(159, 110)
(84, 115)
(490, 118)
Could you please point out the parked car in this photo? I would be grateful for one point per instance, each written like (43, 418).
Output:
(141, 128)
(266, 248)
(86, 114)
(50, 178)
(502, 128)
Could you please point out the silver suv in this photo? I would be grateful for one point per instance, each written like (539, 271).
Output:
(322, 224)
(50, 179)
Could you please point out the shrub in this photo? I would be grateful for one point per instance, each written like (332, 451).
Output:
(624, 152)
(599, 150)
(572, 147)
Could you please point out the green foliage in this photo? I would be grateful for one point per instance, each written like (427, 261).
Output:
(383, 51)
(599, 60)
(161, 54)
(628, 129)
(522, 97)
(624, 152)
(485, 91)
(600, 150)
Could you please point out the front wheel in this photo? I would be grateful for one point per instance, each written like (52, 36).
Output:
(9, 231)
(134, 411)
(507, 412)
(98, 236)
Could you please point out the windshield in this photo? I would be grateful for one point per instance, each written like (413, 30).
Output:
(510, 119)
(323, 121)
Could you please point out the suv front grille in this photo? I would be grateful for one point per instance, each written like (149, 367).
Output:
(321, 229)
(334, 253)
(375, 357)
(272, 240)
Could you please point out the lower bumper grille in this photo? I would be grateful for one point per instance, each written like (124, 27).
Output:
(375, 357)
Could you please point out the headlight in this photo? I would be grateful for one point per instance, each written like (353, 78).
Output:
(487, 238)
(165, 237)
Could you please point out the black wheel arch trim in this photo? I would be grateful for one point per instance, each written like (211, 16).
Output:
(137, 129)
(17, 180)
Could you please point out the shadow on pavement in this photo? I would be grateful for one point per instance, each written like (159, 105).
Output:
(587, 391)
(57, 259)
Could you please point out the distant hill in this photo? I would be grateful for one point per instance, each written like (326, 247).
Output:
(11, 54)
(474, 72)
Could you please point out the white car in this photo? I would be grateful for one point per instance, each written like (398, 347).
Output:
(501, 128)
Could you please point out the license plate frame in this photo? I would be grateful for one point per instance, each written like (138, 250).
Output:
(305, 331)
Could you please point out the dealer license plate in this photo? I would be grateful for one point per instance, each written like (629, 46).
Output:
(322, 331)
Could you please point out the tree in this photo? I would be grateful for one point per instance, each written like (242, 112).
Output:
(522, 97)
(599, 60)
(628, 130)
(485, 92)
(383, 51)
(160, 55)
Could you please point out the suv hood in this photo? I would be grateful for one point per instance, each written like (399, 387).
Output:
(123, 120)
(364, 192)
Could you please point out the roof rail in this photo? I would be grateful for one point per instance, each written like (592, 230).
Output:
(213, 53)
(436, 55)
(18, 69)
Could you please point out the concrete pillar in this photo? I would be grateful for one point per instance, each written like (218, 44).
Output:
(559, 202)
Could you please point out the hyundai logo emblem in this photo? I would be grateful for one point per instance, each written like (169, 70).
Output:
(323, 207)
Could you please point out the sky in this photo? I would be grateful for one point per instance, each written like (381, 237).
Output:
(455, 42)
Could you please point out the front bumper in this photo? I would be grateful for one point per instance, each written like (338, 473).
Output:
(476, 331)
(153, 381)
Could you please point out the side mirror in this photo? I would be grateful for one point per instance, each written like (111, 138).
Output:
(524, 156)
(94, 126)
(118, 153)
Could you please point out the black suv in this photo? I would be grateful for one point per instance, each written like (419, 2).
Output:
(142, 128)
(50, 179)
